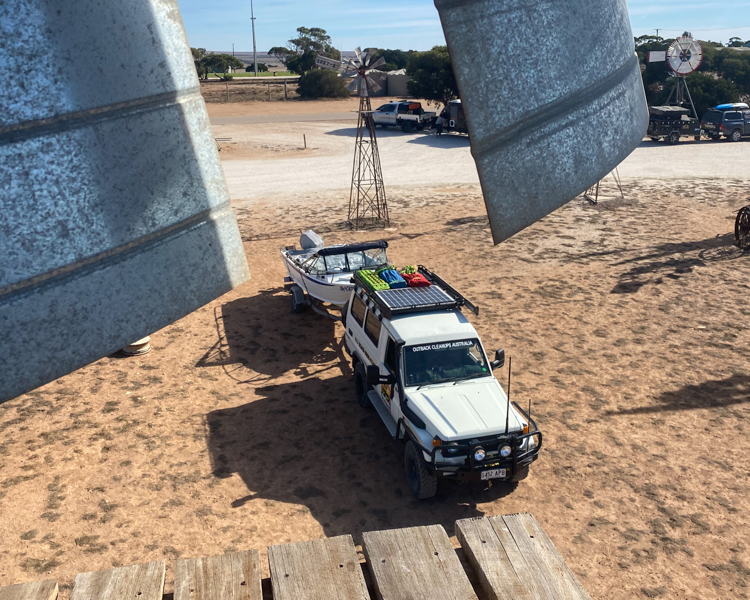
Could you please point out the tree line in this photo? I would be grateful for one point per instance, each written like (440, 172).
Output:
(724, 75)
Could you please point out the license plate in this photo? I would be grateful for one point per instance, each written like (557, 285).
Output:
(493, 474)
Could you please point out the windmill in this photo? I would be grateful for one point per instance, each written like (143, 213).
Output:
(683, 57)
(368, 205)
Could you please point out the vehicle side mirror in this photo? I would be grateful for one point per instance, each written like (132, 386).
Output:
(375, 378)
(499, 359)
(373, 375)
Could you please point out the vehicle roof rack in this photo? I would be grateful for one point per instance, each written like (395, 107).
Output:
(438, 296)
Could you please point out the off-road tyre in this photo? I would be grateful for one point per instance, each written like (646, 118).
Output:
(736, 135)
(297, 308)
(344, 312)
(674, 138)
(520, 475)
(422, 483)
(407, 127)
(360, 386)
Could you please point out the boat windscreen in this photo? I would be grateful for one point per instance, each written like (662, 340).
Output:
(353, 261)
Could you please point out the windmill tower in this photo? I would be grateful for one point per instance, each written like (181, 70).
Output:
(368, 205)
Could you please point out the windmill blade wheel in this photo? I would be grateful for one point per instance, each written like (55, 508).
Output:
(742, 228)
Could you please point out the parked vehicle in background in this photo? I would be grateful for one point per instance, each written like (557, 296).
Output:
(453, 113)
(406, 115)
(729, 120)
(671, 123)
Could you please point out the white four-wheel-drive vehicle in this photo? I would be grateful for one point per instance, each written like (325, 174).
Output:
(406, 115)
(419, 362)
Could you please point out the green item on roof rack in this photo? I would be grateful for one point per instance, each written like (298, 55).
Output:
(372, 281)
(408, 269)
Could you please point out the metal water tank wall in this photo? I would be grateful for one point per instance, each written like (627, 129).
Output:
(114, 212)
(553, 97)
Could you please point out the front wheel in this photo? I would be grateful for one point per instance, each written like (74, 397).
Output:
(674, 137)
(520, 475)
(736, 135)
(422, 483)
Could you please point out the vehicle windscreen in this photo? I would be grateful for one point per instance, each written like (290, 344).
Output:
(444, 361)
(712, 116)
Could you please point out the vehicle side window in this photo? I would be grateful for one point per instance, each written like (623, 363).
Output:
(732, 116)
(372, 328)
(358, 310)
(403, 108)
(390, 356)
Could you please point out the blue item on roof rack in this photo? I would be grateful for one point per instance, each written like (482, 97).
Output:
(733, 106)
(393, 279)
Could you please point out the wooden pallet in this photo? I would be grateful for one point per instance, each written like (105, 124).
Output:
(511, 556)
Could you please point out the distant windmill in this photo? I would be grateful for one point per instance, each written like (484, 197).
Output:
(368, 205)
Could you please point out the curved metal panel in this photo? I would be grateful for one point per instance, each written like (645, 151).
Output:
(115, 214)
(552, 95)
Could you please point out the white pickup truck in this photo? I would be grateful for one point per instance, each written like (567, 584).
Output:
(407, 115)
(419, 362)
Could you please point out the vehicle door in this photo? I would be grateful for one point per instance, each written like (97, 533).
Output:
(386, 114)
(355, 330)
(403, 110)
(732, 120)
(374, 348)
(746, 115)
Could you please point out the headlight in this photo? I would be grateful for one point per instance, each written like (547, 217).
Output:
(505, 451)
(479, 454)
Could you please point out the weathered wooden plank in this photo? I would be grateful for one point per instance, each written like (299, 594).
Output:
(144, 582)
(502, 573)
(417, 563)
(535, 544)
(36, 590)
(234, 576)
(325, 569)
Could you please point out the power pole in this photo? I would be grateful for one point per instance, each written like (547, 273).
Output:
(657, 33)
(255, 55)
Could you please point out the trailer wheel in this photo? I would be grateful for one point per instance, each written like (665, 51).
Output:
(298, 299)
(674, 137)
(360, 386)
(520, 475)
(422, 483)
(736, 135)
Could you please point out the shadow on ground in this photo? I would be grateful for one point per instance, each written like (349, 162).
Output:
(255, 342)
(310, 443)
(672, 261)
(717, 393)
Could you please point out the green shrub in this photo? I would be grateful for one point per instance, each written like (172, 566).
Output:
(320, 83)
(228, 77)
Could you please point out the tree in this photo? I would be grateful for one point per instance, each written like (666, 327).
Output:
(221, 63)
(299, 53)
(394, 59)
(262, 68)
(708, 90)
(199, 54)
(432, 76)
(735, 42)
(322, 83)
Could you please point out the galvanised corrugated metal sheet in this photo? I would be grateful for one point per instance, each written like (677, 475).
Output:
(114, 213)
(553, 97)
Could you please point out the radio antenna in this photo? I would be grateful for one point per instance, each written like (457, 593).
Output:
(507, 412)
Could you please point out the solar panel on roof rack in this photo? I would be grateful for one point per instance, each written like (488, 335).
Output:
(409, 297)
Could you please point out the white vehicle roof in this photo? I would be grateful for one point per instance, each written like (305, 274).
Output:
(434, 326)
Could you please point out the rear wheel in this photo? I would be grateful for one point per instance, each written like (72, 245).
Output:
(674, 137)
(407, 126)
(360, 386)
(736, 135)
(422, 483)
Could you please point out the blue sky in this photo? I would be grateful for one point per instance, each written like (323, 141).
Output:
(414, 24)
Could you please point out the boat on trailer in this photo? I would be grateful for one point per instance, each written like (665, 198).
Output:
(323, 274)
